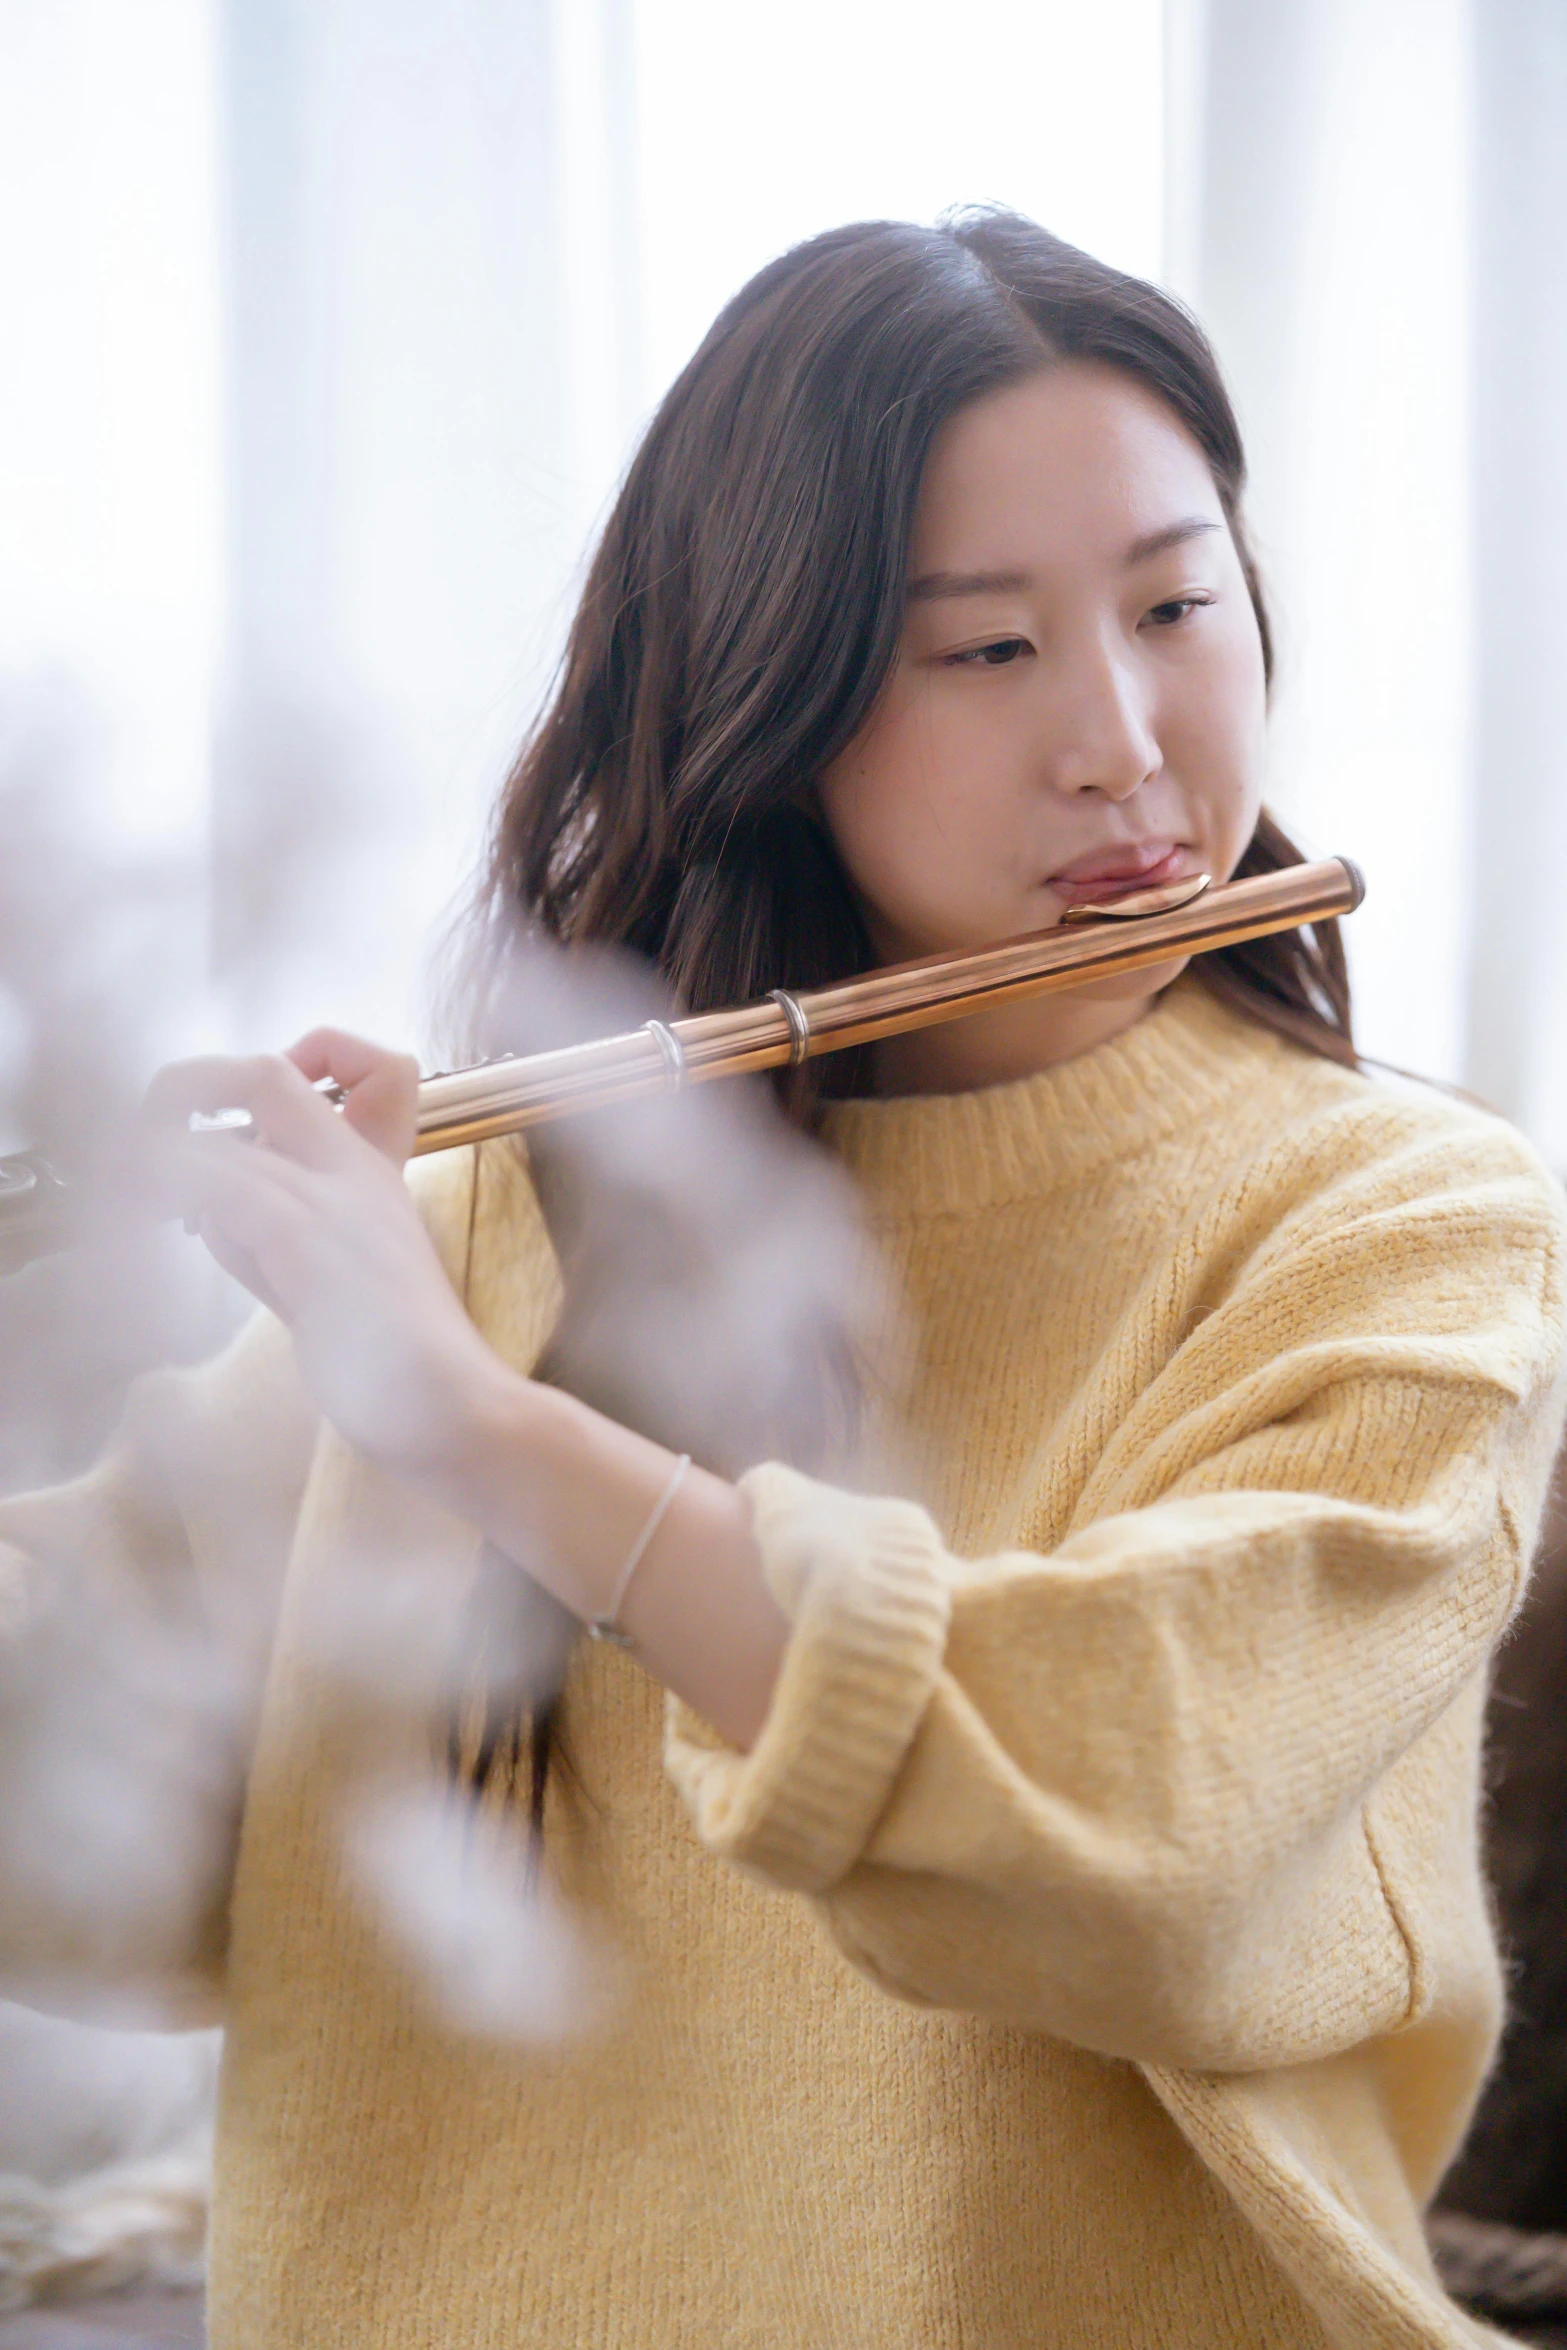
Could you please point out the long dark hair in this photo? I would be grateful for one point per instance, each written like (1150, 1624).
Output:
(745, 603)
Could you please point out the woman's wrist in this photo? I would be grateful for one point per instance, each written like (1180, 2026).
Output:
(567, 1493)
(465, 1406)
(546, 1478)
(482, 1438)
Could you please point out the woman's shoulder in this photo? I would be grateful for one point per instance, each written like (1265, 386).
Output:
(1357, 1121)
(1371, 1152)
(1365, 1113)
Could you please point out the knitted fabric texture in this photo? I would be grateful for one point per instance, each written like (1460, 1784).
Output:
(1092, 1951)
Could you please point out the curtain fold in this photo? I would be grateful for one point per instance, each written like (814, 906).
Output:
(1368, 209)
(1326, 217)
(432, 306)
(1517, 1041)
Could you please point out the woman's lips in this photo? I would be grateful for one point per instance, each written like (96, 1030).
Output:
(1090, 880)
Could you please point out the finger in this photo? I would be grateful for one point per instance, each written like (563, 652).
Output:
(287, 1113)
(380, 1088)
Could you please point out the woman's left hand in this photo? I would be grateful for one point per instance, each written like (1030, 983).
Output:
(315, 1219)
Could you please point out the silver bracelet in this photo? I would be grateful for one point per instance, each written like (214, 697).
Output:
(607, 1626)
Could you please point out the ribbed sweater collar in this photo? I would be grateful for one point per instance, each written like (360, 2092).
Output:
(1179, 1064)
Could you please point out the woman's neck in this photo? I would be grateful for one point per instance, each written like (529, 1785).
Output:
(1007, 1042)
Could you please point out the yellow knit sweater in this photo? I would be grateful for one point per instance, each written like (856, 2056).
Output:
(1092, 1952)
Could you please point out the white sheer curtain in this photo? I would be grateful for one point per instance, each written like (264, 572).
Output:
(1517, 1041)
(1368, 207)
(431, 379)
(112, 552)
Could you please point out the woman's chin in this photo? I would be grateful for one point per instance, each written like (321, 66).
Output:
(1126, 987)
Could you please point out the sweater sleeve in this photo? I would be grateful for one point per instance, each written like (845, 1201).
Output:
(1166, 1791)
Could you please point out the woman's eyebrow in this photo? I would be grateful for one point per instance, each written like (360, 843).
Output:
(1174, 534)
(967, 583)
(933, 584)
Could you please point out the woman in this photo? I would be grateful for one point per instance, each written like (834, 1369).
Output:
(1131, 1768)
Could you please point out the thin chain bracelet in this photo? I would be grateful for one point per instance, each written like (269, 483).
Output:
(607, 1626)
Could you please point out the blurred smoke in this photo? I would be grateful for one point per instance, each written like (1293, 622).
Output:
(719, 1295)
(104, 2134)
(321, 857)
(490, 1947)
(74, 2102)
(99, 941)
(100, 979)
(121, 1720)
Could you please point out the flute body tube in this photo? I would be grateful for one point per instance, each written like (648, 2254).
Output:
(508, 1096)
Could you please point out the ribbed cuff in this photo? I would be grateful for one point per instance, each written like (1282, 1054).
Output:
(861, 1581)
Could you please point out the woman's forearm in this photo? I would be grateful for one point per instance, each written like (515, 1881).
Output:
(567, 1492)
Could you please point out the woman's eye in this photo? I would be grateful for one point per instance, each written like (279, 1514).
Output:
(1172, 613)
(992, 656)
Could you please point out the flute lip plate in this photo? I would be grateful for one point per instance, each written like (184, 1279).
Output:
(1139, 902)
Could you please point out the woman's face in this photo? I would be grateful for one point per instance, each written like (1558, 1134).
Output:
(1077, 704)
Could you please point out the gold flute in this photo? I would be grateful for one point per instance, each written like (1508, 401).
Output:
(780, 1030)
(1092, 942)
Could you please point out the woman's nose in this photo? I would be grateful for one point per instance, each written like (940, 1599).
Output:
(1099, 738)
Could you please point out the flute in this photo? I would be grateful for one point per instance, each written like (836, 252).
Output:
(780, 1030)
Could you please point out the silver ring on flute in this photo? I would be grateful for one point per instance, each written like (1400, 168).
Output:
(799, 1026)
(673, 1050)
(607, 1626)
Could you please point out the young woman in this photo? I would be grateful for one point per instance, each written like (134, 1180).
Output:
(1048, 1893)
